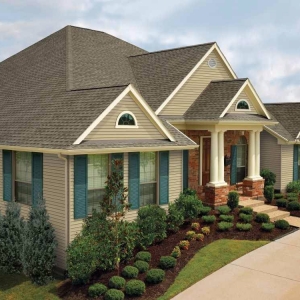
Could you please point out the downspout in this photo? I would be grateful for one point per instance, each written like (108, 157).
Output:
(67, 206)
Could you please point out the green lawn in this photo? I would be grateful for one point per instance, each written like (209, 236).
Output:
(19, 287)
(209, 259)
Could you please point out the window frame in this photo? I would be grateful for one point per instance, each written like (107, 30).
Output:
(242, 109)
(126, 126)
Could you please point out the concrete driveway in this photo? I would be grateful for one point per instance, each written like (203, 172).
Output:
(271, 272)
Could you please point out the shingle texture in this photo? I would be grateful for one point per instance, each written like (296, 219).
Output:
(157, 74)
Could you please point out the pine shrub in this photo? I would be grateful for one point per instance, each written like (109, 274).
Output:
(243, 226)
(269, 193)
(233, 199)
(135, 288)
(246, 218)
(97, 290)
(246, 210)
(209, 219)
(224, 209)
(224, 226)
(226, 218)
(39, 246)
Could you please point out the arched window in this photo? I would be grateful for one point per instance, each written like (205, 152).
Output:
(242, 105)
(126, 119)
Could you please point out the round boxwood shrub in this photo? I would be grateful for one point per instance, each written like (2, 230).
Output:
(246, 210)
(209, 219)
(204, 210)
(281, 202)
(167, 262)
(114, 294)
(243, 226)
(246, 218)
(143, 255)
(233, 199)
(293, 205)
(155, 276)
(262, 218)
(141, 265)
(226, 218)
(135, 288)
(223, 226)
(267, 226)
(282, 224)
(97, 290)
(224, 209)
(130, 272)
(116, 282)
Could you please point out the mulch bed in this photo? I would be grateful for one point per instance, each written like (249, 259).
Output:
(67, 291)
(294, 213)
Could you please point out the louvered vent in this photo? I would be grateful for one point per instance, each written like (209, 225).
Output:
(212, 63)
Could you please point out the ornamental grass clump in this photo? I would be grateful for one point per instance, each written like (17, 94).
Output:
(195, 226)
(209, 219)
(233, 199)
(135, 288)
(243, 226)
(155, 276)
(267, 227)
(199, 237)
(176, 252)
(97, 290)
(167, 262)
(184, 245)
(141, 265)
(116, 282)
(190, 235)
(130, 272)
(205, 230)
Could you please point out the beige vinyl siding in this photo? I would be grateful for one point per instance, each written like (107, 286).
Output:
(270, 156)
(194, 86)
(287, 153)
(106, 128)
(175, 175)
(243, 96)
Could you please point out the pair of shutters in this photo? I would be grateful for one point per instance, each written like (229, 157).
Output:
(295, 162)
(134, 178)
(81, 186)
(37, 176)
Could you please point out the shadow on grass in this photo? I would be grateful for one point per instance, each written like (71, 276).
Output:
(9, 281)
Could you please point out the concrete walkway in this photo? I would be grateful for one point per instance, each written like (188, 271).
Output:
(271, 272)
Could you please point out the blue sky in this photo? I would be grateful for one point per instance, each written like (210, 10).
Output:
(259, 38)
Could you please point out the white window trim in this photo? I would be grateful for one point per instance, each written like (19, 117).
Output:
(126, 126)
(245, 109)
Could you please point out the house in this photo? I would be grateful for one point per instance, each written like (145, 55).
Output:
(280, 144)
(79, 98)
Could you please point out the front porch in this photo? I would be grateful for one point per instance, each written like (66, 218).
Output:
(228, 158)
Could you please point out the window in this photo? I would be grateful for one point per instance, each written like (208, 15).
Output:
(126, 119)
(242, 105)
(23, 186)
(147, 178)
(98, 166)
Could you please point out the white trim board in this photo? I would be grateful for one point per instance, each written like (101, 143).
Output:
(144, 104)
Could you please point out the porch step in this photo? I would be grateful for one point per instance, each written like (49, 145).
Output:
(278, 215)
(294, 221)
(264, 208)
(251, 203)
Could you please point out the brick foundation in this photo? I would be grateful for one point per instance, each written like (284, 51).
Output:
(216, 196)
(253, 187)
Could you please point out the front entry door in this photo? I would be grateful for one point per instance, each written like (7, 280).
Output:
(241, 162)
(206, 161)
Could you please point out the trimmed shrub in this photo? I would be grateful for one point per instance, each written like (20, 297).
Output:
(269, 177)
(246, 218)
(135, 288)
(293, 205)
(246, 210)
(282, 224)
(233, 200)
(267, 226)
(290, 199)
(114, 294)
(176, 252)
(281, 202)
(97, 290)
(190, 205)
(224, 226)
(167, 262)
(243, 226)
(155, 276)
(204, 211)
(143, 255)
(269, 193)
(262, 218)
(184, 245)
(141, 265)
(293, 187)
(226, 218)
(205, 230)
(209, 219)
(223, 210)
(11, 239)
(130, 272)
(190, 235)
(39, 246)
(199, 237)
(175, 218)
(151, 221)
(116, 282)
(189, 192)
(195, 226)
(291, 195)
(278, 196)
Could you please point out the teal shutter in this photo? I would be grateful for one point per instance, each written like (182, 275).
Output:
(134, 179)
(233, 167)
(37, 178)
(295, 163)
(7, 175)
(163, 177)
(80, 186)
(185, 169)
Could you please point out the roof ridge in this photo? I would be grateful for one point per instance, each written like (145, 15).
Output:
(172, 49)
(275, 103)
(228, 80)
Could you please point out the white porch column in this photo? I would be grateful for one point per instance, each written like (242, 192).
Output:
(257, 153)
(251, 155)
(214, 157)
(221, 157)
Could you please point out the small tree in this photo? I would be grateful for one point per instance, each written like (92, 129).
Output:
(39, 245)
(11, 236)
(269, 177)
(269, 193)
(233, 199)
